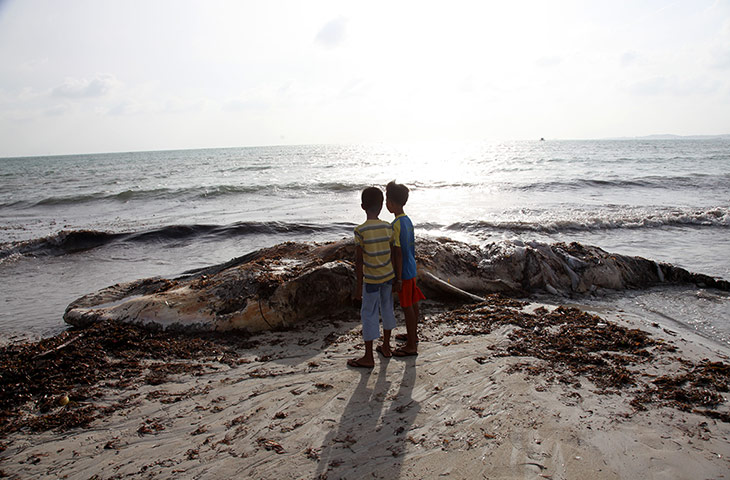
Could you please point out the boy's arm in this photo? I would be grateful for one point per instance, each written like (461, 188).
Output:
(396, 257)
(357, 294)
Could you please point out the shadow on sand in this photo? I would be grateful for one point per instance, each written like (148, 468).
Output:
(372, 434)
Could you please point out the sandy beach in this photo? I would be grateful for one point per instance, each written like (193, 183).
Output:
(194, 195)
(500, 390)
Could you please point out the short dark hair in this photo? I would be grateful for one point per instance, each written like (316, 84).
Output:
(372, 199)
(397, 193)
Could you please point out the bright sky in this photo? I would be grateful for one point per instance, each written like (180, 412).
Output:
(118, 75)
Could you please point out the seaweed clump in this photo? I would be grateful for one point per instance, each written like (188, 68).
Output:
(571, 344)
(52, 383)
(698, 389)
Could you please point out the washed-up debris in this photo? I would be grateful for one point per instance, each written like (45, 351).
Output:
(56, 383)
(312, 453)
(271, 445)
(698, 389)
(150, 426)
(53, 383)
(571, 344)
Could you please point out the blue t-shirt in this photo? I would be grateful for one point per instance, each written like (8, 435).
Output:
(405, 239)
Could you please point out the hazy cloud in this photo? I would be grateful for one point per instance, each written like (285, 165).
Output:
(721, 59)
(85, 88)
(721, 51)
(650, 86)
(629, 58)
(183, 105)
(125, 107)
(673, 86)
(243, 105)
(355, 88)
(35, 64)
(549, 61)
(333, 33)
(56, 110)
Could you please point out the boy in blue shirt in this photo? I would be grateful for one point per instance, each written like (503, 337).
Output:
(404, 262)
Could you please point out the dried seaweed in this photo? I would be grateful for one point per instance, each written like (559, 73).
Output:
(567, 345)
(571, 344)
(700, 386)
(76, 363)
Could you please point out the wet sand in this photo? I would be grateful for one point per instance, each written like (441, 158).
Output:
(498, 390)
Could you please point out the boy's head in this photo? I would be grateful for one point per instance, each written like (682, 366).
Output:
(372, 200)
(396, 193)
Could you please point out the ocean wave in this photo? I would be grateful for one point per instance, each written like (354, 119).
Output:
(74, 241)
(127, 196)
(658, 182)
(716, 217)
(61, 243)
(123, 197)
(208, 192)
(181, 194)
(239, 229)
(7, 260)
(248, 168)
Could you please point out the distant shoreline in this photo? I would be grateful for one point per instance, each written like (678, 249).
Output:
(725, 136)
(670, 136)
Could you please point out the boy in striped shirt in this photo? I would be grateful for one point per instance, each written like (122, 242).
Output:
(375, 274)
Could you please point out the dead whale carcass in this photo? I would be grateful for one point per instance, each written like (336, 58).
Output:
(521, 268)
(285, 284)
(270, 288)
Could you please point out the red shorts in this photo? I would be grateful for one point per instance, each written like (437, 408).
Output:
(410, 294)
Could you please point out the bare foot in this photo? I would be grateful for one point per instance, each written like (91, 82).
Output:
(359, 363)
(402, 352)
(384, 350)
(402, 337)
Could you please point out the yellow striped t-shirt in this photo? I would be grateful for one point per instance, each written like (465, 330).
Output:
(375, 238)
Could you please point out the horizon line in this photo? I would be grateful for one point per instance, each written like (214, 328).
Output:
(662, 136)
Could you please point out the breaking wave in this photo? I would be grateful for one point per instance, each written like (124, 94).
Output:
(717, 217)
(695, 181)
(74, 241)
(182, 194)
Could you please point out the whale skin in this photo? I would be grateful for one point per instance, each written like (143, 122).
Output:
(289, 283)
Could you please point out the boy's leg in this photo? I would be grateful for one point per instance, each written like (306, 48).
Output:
(388, 316)
(416, 314)
(368, 359)
(411, 330)
(384, 348)
(409, 303)
(369, 316)
(404, 336)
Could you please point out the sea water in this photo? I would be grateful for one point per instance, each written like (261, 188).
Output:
(70, 225)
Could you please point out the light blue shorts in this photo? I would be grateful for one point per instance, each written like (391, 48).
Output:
(377, 301)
